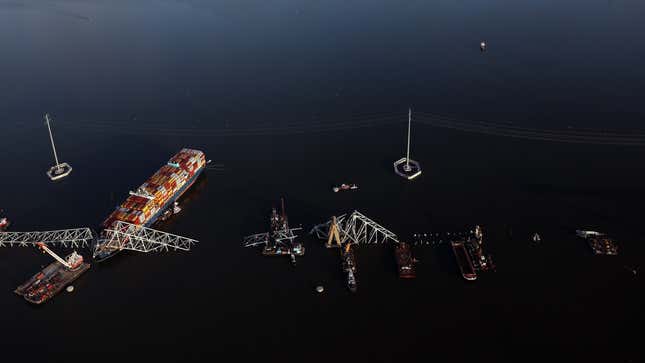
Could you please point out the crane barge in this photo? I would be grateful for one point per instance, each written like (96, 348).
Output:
(53, 278)
(280, 240)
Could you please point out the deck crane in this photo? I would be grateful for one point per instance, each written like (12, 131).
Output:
(73, 261)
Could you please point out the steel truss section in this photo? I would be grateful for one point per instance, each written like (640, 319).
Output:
(356, 228)
(127, 236)
(64, 237)
(280, 237)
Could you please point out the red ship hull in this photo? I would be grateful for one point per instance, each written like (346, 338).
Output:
(405, 261)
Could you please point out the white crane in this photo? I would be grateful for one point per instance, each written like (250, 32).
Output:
(74, 259)
(60, 170)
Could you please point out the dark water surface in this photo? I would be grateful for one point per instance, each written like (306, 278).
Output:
(294, 97)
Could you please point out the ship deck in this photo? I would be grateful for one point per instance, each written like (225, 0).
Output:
(56, 274)
(463, 260)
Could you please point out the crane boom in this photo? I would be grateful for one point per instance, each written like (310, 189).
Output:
(44, 248)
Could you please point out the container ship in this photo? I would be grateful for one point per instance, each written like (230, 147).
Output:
(156, 196)
(405, 261)
(53, 278)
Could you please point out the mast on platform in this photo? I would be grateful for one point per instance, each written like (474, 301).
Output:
(60, 170)
(406, 167)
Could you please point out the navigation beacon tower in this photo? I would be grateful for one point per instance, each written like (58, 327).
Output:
(406, 167)
(60, 170)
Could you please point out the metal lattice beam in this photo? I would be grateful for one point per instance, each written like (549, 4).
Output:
(127, 236)
(280, 237)
(255, 240)
(356, 228)
(65, 237)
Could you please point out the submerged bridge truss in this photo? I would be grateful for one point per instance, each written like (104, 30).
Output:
(127, 236)
(65, 237)
(355, 228)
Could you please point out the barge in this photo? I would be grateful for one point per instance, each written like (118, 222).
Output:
(405, 261)
(349, 266)
(463, 260)
(53, 278)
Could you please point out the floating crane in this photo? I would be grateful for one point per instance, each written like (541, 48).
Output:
(333, 234)
(57, 275)
(280, 240)
(60, 170)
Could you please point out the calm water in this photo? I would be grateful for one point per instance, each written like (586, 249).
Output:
(257, 85)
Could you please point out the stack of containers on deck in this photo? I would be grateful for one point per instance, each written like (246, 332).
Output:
(162, 185)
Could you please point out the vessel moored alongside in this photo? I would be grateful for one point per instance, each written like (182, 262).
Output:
(463, 260)
(405, 261)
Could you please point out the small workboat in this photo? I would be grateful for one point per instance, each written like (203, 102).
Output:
(345, 187)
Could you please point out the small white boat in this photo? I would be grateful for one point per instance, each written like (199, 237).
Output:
(4, 224)
(585, 234)
(345, 187)
(176, 209)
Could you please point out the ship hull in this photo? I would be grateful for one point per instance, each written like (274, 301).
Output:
(282, 251)
(405, 261)
(464, 262)
(104, 254)
(603, 246)
(50, 281)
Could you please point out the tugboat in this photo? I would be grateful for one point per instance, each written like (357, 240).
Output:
(4, 223)
(351, 281)
(345, 187)
(169, 212)
(405, 261)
